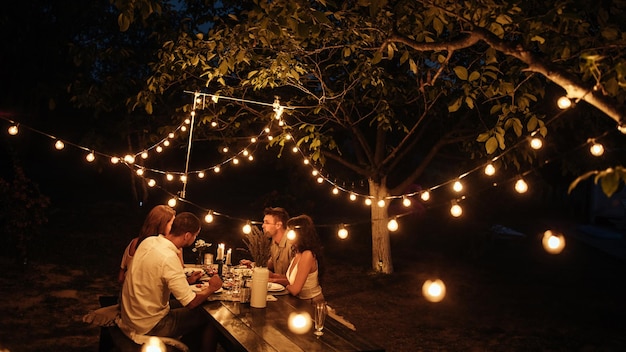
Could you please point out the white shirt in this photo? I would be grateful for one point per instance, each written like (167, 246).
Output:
(155, 273)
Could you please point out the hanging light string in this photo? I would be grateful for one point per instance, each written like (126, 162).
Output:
(317, 172)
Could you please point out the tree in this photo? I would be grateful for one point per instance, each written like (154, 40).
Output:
(384, 89)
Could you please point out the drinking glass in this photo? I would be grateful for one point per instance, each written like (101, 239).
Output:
(320, 316)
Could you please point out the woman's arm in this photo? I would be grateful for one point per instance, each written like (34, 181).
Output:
(305, 266)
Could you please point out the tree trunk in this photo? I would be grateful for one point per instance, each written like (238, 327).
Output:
(381, 246)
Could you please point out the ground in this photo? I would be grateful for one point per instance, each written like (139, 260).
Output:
(502, 294)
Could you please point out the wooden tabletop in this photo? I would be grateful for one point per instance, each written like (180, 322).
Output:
(266, 329)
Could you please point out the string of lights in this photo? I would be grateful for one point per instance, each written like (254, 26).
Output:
(200, 100)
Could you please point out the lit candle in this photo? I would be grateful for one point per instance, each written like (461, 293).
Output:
(220, 251)
(228, 254)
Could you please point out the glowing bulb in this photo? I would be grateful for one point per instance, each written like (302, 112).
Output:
(267, 130)
(306, 161)
(130, 159)
(434, 291)
(208, 218)
(154, 344)
(151, 182)
(201, 174)
(456, 210)
(166, 143)
(246, 228)
(13, 130)
(458, 186)
(169, 177)
(250, 157)
(224, 149)
(59, 144)
(269, 138)
(90, 157)
(392, 225)
(245, 152)
(183, 128)
(352, 196)
(213, 123)
(144, 155)
(381, 203)
(188, 121)
(294, 149)
(217, 169)
(521, 186)
(564, 103)
(253, 140)
(172, 202)
(368, 201)
(425, 196)
(235, 161)
(536, 143)
(552, 242)
(406, 202)
(115, 160)
(170, 135)
(159, 149)
(139, 172)
(299, 323)
(335, 190)
(490, 170)
(291, 235)
(597, 149)
(183, 178)
(342, 233)
(320, 179)
(315, 172)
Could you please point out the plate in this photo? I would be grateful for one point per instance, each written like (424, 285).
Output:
(274, 287)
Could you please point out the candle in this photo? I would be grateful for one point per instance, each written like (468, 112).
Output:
(220, 252)
(228, 254)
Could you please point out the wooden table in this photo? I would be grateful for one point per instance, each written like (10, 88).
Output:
(265, 329)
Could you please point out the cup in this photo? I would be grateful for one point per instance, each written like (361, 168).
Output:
(208, 258)
(319, 317)
(244, 295)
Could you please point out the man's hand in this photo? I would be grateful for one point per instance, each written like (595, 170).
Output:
(215, 283)
(194, 277)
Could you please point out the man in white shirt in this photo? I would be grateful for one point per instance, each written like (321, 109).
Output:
(156, 272)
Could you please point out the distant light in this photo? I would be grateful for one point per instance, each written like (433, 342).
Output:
(320, 179)
(352, 196)
(335, 190)
(456, 210)
(201, 174)
(246, 228)
(166, 143)
(368, 201)
(553, 243)
(139, 172)
(425, 196)
(130, 159)
(115, 160)
(59, 144)
(536, 143)
(406, 201)
(170, 135)
(342, 233)
(159, 149)
(144, 155)
(151, 182)
(90, 157)
(169, 177)
(13, 130)
(216, 169)
(381, 203)
(172, 202)
(458, 186)
(208, 218)
(291, 235)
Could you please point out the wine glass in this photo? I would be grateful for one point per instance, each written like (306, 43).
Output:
(320, 316)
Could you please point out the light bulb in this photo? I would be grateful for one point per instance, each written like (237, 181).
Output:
(564, 103)
(217, 169)
(170, 135)
(115, 160)
(536, 143)
(458, 186)
(392, 225)
(171, 202)
(521, 186)
(597, 149)
(300, 323)
(159, 149)
(456, 210)
(335, 190)
(368, 201)
(553, 243)
(90, 157)
(434, 290)
(490, 170)
(235, 161)
(425, 196)
(166, 143)
(247, 229)
(13, 130)
(59, 144)
(139, 172)
(320, 179)
(381, 203)
(130, 159)
(183, 178)
(144, 155)
(406, 202)
(342, 233)
(169, 177)
(208, 218)
(291, 235)
(352, 196)
(201, 174)
(151, 182)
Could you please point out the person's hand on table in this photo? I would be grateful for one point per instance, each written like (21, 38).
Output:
(246, 262)
(194, 276)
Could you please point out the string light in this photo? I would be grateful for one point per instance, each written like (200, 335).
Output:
(172, 202)
(343, 232)
(90, 157)
(490, 170)
(13, 130)
(392, 225)
(368, 201)
(406, 201)
(352, 197)
(425, 196)
(130, 159)
(208, 218)
(536, 143)
(59, 145)
(335, 190)
(457, 186)
(456, 210)
(139, 172)
(553, 243)
(144, 155)
(201, 174)
(521, 186)
(247, 228)
(434, 290)
(151, 182)
(564, 103)
(291, 235)
(596, 149)
(381, 203)
(169, 177)
(115, 160)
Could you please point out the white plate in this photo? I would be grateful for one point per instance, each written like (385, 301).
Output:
(274, 287)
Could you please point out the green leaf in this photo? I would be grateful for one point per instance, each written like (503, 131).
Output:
(461, 72)
(491, 145)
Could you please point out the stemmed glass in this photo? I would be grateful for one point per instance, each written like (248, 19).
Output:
(320, 316)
